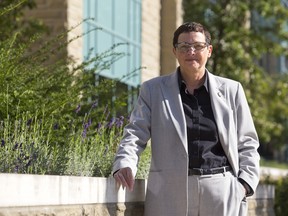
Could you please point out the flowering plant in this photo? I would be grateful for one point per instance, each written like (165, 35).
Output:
(33, 145)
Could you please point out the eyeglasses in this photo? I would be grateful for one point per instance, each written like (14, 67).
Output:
(184, 47)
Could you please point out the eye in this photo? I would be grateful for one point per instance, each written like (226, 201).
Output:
(183, 48)
(199, 46)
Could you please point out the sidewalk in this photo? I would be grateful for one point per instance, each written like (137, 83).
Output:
(273, 173)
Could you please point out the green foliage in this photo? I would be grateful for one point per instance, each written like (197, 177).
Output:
(144, 163)
(239, 40)
(12, 13)
(92, 149)
(30, 82)
(25, 146)
(42, 149)
(54, 119)
(272, 163)
(281, 197)
(29, 145)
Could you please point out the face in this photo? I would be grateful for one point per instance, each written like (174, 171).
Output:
(192, 59)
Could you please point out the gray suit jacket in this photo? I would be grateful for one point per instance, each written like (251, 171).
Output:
(159, 115)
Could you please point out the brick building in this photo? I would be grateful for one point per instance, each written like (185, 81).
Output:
(146, 25)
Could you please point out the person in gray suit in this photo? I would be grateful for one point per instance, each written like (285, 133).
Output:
(203, 140)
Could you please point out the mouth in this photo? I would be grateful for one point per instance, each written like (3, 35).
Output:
(190, 60)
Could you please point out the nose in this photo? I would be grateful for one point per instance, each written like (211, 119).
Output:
(191, 49)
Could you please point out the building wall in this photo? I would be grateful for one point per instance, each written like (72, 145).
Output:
(54, 15)
(160, 18)
(75, 20)
(150, 38)
(171, 18)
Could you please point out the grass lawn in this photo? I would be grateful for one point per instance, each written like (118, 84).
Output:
(273, 163)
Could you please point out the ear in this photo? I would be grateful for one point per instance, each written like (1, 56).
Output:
(210, 49)
(174, 51)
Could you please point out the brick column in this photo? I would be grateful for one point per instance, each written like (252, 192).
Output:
(171, 18)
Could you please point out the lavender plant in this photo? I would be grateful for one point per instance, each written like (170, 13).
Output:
(25, 146)
(29, 145)
(92, 149)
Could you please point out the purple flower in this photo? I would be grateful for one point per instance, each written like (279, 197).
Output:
(29, 163)
(110, 123)
(2, 143)
(86, 126)
(84, 133)
(15, 146)
(98, 128)
(119, 121)
(56, 126)
(94, 104)
(99, 125)
(16, 169)
(29, 122)
(78, 109)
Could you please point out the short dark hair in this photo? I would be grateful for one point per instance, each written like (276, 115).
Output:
(191, 27)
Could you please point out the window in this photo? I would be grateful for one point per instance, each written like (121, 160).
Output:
(120, 23)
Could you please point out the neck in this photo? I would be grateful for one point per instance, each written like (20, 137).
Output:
(192, 79)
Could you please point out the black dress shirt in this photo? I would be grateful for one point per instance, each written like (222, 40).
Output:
(204, 148)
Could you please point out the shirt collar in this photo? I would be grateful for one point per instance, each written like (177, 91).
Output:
(181, 81)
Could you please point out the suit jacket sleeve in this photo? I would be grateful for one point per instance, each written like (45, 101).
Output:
(247, 142)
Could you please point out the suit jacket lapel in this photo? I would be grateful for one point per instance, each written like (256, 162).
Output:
(224, 117)
(172, 98)
(221, 110)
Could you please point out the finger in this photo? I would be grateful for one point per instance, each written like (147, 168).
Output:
(123, 180)
(118, 180)
(130, 180)
(127, 173)
(119, 177)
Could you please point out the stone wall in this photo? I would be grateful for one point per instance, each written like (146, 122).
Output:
(31, 195)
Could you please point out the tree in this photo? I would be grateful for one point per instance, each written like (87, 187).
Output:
(242, 31)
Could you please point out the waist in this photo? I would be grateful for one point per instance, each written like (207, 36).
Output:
(200, 171)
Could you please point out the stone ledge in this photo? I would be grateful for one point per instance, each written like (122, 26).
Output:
(34, 190)
(273, 173)
(26, 195)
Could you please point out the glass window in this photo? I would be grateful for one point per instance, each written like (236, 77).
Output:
(120, 23)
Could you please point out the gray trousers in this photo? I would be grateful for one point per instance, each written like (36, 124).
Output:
(216, 195)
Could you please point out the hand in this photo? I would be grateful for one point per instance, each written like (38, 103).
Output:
(125, 178)
(245, 190)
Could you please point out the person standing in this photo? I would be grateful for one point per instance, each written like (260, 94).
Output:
(204, 158)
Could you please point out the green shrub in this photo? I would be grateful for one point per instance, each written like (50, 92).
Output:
(26, 148)
(53, 118)
(281, 197)
(29, 145)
